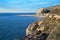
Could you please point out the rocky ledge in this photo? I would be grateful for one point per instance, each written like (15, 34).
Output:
(48, 28)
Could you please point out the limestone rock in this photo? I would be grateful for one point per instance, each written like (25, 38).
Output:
(33, 27)
(48, 28)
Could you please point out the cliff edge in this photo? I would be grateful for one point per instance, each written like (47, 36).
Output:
(48, 28)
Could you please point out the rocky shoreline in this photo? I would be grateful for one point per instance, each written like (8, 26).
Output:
(48, 28)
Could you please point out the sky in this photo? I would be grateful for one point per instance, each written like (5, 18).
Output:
(17, 6)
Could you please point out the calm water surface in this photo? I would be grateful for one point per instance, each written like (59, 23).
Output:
(14, 27)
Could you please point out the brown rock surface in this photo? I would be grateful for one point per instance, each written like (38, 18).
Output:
(48, 28)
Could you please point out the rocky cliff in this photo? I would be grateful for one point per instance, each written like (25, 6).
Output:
(48, 28)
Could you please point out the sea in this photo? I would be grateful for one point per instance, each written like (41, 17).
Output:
(13, 27)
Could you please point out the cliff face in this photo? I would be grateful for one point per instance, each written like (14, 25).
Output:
(48, 28)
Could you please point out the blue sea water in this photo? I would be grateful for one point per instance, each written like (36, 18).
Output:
(14, 27)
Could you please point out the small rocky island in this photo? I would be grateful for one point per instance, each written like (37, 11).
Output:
(48, 28)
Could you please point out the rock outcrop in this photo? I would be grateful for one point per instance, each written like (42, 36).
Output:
(48, 28)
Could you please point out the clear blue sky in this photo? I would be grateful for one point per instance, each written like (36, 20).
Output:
(25, 5)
